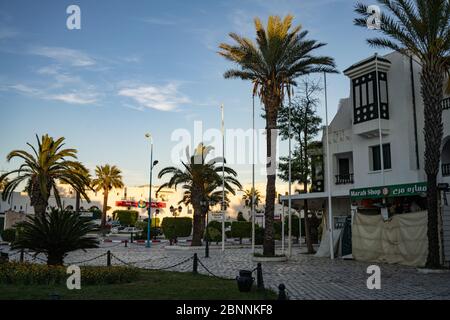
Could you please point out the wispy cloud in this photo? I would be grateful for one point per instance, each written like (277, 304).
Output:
(164, 98)
(68, 56)
(74, 98)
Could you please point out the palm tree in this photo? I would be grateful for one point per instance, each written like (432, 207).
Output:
(280, 55)
(197, 177)
(42, 169)
(55, 234)
(84, 172)
(420, 29)
(3, 183)
(247, 197)
(107, 177)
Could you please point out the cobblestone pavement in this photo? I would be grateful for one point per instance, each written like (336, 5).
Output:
(305, 276)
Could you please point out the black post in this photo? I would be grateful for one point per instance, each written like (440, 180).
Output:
(259, 276)
(126, 243)
(131, 236)
(282, 292)
(195, 264)
(108, 258)
(21, 255)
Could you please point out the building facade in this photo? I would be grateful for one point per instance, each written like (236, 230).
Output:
(384, 97)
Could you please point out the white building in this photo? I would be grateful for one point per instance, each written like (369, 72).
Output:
(354, 140)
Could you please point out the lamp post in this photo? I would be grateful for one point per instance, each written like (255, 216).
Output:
(204, 205)
(152, 164)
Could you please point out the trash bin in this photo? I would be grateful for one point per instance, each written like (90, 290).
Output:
(245, 280)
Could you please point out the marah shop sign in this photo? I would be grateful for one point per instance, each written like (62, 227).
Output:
(399, 190)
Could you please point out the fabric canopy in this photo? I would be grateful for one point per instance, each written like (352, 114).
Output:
(402, 239)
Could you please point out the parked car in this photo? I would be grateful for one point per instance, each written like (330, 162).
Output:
(130, 230)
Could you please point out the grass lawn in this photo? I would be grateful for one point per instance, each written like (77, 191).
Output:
(150, 285)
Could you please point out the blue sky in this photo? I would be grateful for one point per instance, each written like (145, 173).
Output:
(143, 66)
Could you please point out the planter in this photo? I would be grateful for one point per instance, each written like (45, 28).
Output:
(245, 280)
(269, 259)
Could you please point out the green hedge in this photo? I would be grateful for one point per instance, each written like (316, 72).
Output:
(213, 234)
(32, 273)
(8, 235)
(126, 217)
(176, 227)
(259, 235)
(241, 229)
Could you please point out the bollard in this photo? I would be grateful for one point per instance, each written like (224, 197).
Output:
(126, 243)
(4, 257)
(282, 292)
(195, 264)
(132, 237)
(21, 255)
(259, 276)
(108, 258)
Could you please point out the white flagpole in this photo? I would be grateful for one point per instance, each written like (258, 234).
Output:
(223, 179)
(290, 181)
(253, 176)
(330, 212)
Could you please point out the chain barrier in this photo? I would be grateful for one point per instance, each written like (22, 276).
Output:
(132, 264)
(35, 257)
(111, 246)
(88, 260)
(209, 271)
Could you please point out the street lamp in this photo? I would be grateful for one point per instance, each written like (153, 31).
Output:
(204, 205)
(152, 164)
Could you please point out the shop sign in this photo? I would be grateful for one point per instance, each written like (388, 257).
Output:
(400, 190)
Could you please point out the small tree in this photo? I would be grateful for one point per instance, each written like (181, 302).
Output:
(305, 126)
(240, 216)
(55, 234)
(241, 229)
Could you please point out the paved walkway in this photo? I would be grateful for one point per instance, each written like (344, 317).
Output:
(305, 276)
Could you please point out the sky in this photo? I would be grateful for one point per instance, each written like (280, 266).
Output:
(143, 66)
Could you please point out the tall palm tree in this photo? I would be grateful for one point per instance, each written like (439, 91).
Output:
(197, 176)
(280, 55)
(43, 169)
(107, 177)
(420, 29)
(84, 172)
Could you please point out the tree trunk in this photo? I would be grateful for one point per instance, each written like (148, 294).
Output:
(197, 228)
(37, 200)
(77, 201)
(432, 81)
(307, 230)
(272, 104)
(105, 209)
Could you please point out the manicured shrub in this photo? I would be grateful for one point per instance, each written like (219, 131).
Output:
(213, 235)
(8, 235)
(241, 229)
(126, 217)
(216, 225)
(259, 235)
(41, 274)
(176, 227)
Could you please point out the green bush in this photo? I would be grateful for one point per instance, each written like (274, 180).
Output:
(41, 274)
(126, 217)
(259, 235)
(176, 227)
(241, 229)
(9, 235)
(216, 225)
(154, 231)
(96, 213)
(213, 235)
